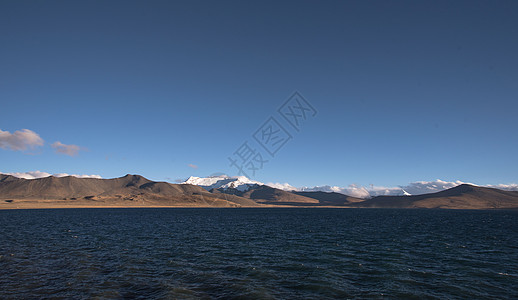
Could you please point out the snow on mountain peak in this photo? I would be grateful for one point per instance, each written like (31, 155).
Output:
(205, 181)
(240, 183)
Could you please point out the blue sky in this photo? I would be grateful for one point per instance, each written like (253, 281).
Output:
(404, 90)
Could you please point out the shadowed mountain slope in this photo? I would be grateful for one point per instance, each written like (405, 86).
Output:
(270, 195)
(332, 198)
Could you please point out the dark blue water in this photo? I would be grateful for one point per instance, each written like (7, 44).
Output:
(258, 253)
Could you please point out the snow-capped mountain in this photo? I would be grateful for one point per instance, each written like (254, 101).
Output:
(243, 183)
(240, 183)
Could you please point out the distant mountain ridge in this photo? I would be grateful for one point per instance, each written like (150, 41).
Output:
(135, 190)
(464, 196)
(127, 188)
(268, 195)
(331, 198)
(243, 183)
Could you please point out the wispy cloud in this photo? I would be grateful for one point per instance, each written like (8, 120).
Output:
(70, 150)
(192, 166)
(20, 140)
(39, 174)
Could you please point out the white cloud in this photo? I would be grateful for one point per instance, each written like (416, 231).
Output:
(78, 176)
(20, 140)
(505, 187)
(29, 175)
(39, 174)
(386, 191)
(192, 166)
(356, 191)
(321, 188)
(281, 186)
(70, 150)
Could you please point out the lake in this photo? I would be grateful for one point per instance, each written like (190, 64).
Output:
(258, 253)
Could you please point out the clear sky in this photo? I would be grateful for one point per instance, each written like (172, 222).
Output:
(403, 90)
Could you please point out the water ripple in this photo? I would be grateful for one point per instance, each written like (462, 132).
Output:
(258, 254)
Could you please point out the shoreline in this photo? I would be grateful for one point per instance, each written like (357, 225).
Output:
(60, 204)
(26, 204)
(2, 208)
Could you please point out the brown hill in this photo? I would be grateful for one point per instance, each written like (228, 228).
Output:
(464, 196)
(268, 195)
(130, 189)
(5, 178)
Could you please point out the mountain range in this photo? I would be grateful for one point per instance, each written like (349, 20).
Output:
(358, 191)
(137, 191)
